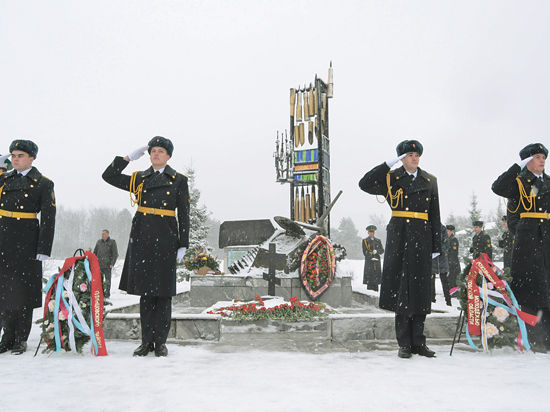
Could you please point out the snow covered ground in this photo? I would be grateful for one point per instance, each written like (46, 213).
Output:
(224, 377)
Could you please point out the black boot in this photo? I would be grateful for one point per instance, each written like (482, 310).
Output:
(404, 352)
(144, 349)
(18, 348)
(423, 350)
(161, 350)
(5, 345)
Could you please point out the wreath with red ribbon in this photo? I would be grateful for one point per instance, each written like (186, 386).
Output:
(318, 266)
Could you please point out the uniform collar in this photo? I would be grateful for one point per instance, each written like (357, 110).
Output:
(166, 170)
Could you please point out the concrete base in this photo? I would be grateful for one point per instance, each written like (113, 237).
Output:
(338, 328)
(207, 290)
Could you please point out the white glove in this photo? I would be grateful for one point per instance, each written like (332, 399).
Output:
(181, 253)
(136, 154)
(41, 257)
(3, 158)
(390, 163)
(524, 162)
(436, 254)
(374, 251)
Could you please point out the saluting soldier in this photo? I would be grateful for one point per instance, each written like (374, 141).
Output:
(413, 239)
(481, 242)
(5, 164)
(372, 249)
(157, 239)
(527, 188)
(506, 242)
(454, 262)
(24, 243)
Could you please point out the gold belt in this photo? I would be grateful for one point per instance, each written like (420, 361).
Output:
(18, 215)
(534, 215)
(414, 215)
(153, 211)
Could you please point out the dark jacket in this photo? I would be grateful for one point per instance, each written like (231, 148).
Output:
(22, 239)
(106, 252)
(506, 242)
(150, 264)
(372, 271)
(481, 243)
(440, 264)
(530, 266)
(454, 262)
(406, 275)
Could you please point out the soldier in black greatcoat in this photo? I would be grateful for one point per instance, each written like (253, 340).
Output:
(157, 239)
(24, 243)
(506, 242)
(481, 242)
(413, 239)
(454, 262)
(440, 266)
(527, 188)
(372, 249)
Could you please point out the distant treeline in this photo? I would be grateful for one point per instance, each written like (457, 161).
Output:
(81, 228)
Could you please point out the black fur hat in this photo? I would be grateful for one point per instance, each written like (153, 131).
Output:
(407, 146)
(532, 149)
(25, 146)
(161, 142)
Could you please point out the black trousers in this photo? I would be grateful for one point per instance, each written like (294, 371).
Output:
(409, 329)
(17, 324)
(444, 278)
(155, 315)
(106, 278)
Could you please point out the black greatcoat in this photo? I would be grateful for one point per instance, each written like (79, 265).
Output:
(150, 264)
(506, 242)
(407, 272)
(22, 239)
(454, 262)
(530, 266)
(372, 271)
(481, 243)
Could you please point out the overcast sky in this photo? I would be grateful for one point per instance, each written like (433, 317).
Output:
(90, 80)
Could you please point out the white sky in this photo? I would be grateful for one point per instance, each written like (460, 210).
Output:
(90, 80)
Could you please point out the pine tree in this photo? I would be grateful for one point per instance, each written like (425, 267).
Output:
(475, 213)
(347, 236)
(198, 217)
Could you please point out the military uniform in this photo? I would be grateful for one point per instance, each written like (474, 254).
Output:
(22, 237)
(481, 243)
(454, 262)
(529, 218)
(372, 272)
(506, 242)
(413, 234)
(155, 237)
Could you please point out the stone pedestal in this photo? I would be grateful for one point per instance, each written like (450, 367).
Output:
(207, 290)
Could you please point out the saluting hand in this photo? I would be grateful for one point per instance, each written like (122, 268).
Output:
(524, 162)
(390, 163)
(136, 154)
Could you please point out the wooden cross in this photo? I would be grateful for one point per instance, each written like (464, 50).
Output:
(270, 276)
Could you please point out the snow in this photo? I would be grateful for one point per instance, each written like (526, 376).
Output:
(266, 375)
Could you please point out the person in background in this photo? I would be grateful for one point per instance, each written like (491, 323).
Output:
(481, 242)
(107, 254)
(506, 242)
(440, 266)
(454, 262)
(372, 249)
